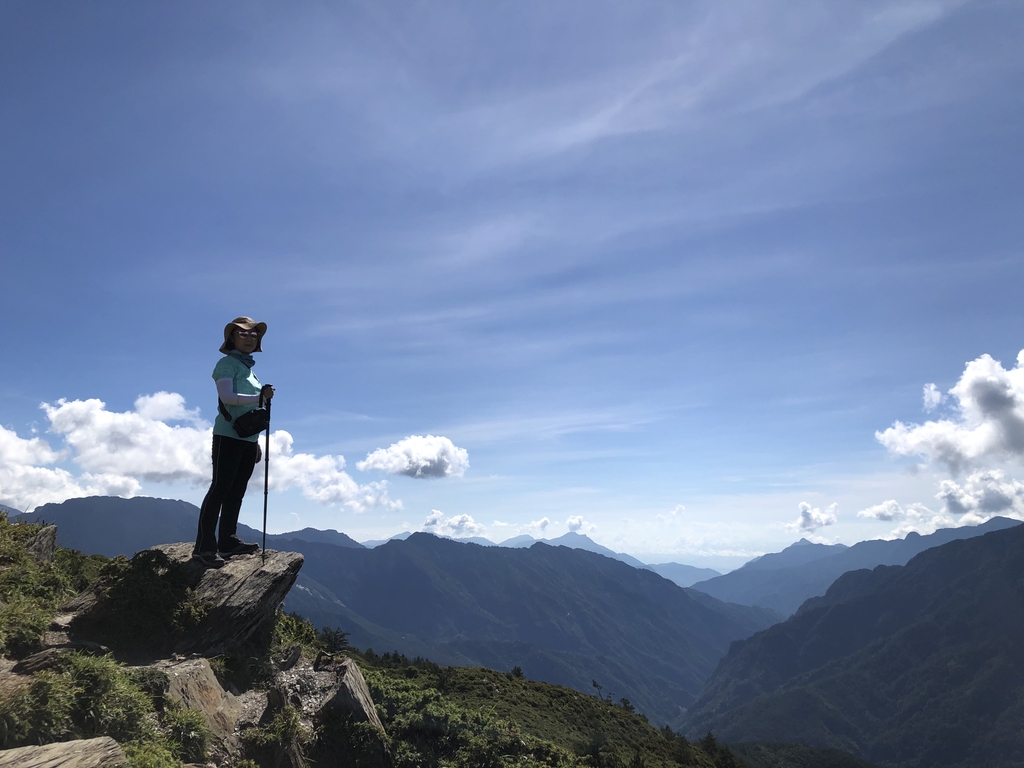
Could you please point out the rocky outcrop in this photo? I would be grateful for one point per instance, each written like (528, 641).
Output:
(236, 601)
(42, 544)
(330, 696)
(330, 687)
(228, 607)
(193, 684)
(240, 597)
(103, 752)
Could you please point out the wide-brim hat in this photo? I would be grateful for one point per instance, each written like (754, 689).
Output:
(243, 324)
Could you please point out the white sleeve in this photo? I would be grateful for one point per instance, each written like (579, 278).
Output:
(226, 392)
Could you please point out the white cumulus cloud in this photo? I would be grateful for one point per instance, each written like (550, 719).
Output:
(322, 478)
(457, 526)
(575, 523)
(988, 425)
(887, 510)
(28, 479)
(984, 495)
(539, 526)
(419, 456)
(812, 518)
(138, 443)
(117, 451)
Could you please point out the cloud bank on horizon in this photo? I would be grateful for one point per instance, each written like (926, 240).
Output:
(161, 441)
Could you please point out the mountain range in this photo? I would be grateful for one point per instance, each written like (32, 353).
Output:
(111, 526)
(783, 580)
(176, 521)
(915, 665)
(562, 615)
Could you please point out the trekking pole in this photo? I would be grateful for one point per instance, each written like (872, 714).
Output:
(266, 485)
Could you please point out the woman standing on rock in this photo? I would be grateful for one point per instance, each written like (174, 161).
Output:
(234, 456)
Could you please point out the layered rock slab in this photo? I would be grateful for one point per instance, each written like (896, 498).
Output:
(193, 684)
(238, 599)
(102, 752)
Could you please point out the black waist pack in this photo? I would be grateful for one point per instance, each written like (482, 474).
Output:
(249, 423)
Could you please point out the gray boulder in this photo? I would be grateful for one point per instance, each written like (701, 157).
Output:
(331, 699)
(102, 752)
(193, 684)
(329, 687)
(42, 544)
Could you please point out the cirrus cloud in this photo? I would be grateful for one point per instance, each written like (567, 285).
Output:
(419, 456)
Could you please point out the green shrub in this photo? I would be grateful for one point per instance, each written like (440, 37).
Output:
(147, 603)
(186, 732)
(268, 744)
(154, 682)
(283, 729)
(290, 628)
(344, 743)
(32, 591)
(153, 754)
(22, 624)
(80, 571)
(332, 639)
(80, 698)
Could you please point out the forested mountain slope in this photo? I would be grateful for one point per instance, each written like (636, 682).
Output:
(915, 665)
(563, 615)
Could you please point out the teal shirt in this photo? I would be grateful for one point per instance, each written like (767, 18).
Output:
(245, 383)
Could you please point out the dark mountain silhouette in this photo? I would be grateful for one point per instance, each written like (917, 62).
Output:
(111, 526)
(800, 553)
(563, 615)
(11, 512)
(329, 536)
(469, 540)
(784, 580)
(683, 575)
(915, 665)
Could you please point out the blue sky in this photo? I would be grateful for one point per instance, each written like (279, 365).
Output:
(661, 271)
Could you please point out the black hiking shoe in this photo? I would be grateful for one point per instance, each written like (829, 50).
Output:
(235, 546)
(209, 559)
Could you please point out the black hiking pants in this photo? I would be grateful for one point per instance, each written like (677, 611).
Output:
(233, 463)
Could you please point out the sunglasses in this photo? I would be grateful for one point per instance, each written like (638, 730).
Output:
(254, 334)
